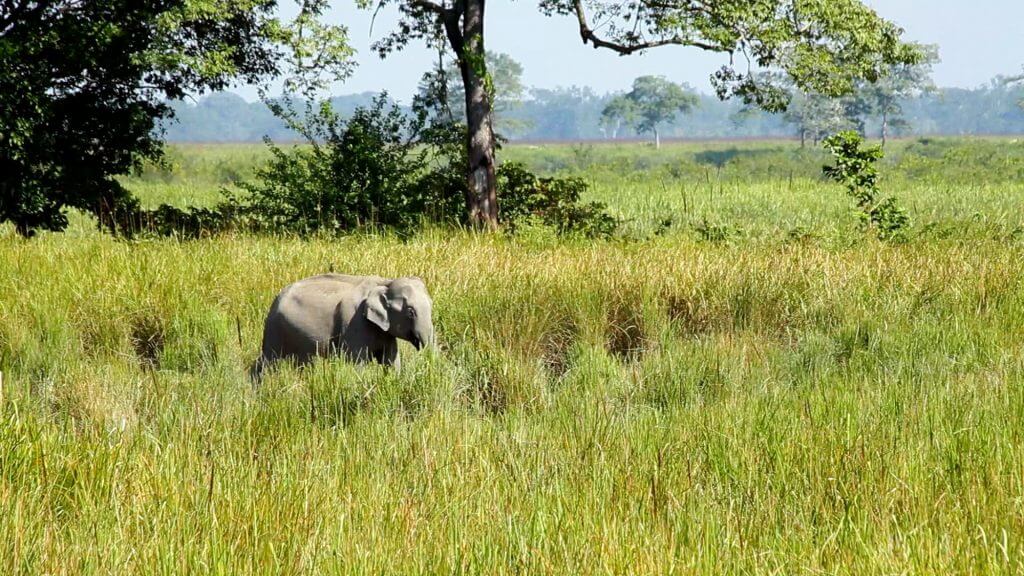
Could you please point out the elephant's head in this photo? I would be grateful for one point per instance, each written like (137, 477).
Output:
(402, 308)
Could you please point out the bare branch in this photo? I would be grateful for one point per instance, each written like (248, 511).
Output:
(588, 35)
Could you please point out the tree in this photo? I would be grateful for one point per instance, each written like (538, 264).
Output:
(1017, 80)
(652, 101)
(884, 98)
(368, 170)
(506, 79)
(817, 117)
(619, 110)
(855, 170)
(85, 84)
(823, 46)
(461, 23)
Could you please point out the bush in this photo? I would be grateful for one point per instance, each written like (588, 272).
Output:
(383, 168)
(366, 171)
(127, 218)
(855, 169)
(554, 201)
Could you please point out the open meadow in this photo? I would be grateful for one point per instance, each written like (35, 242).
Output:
(741, 381)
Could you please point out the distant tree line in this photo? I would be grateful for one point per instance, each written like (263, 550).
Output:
(575, 113)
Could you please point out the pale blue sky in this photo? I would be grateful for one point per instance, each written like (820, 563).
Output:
(978, 39)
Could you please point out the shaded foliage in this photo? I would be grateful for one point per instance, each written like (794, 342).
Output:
(364, 171)
(553, 201)
(84, 84)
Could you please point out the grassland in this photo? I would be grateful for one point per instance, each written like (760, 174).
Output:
(742, 383)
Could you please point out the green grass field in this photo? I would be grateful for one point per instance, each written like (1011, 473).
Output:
(742, 383)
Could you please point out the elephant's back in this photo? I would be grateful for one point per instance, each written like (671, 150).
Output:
(314, 294)
(333, 279)
(321, 299)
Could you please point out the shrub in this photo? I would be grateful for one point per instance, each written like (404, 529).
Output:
(524, 196)
(366, 171)
(855, 169)
(129, 219)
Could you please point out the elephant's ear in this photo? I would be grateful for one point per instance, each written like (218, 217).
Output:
(376, 308)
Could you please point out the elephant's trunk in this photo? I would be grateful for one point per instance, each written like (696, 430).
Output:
(423, 338)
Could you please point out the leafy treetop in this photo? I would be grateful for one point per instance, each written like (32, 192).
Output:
(85, 84)
(653, 101)
(825, 46)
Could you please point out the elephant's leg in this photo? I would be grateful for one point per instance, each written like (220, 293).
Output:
(388, 355)
(257, 369)
(267, 362)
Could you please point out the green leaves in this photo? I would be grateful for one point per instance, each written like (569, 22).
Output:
(824, 46)
(855, 169)
(364, 172)
(554, 202)
(315, 53)
(86, 84)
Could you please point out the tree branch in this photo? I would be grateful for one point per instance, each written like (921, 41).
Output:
(449, 18)
(429, 6)
(20, 11)
(588, 36)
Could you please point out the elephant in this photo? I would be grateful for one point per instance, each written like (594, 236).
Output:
(362, 317)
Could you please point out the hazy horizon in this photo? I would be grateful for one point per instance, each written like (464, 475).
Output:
(977, 41)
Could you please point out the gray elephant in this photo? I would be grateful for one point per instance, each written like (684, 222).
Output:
(361, 317)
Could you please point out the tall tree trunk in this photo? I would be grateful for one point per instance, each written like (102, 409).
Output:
(885, 128)
(803, 139)
(657, 140)
(481, 180)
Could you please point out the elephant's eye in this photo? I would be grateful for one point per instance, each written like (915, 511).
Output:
(412, 312)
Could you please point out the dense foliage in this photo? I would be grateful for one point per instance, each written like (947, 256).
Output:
(383, 169)
(83, 84)
(364, 171)
(555, 202)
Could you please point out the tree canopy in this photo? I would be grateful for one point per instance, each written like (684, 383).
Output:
(85, 84)
(653, 101)
(1017, 80)
(823, 46)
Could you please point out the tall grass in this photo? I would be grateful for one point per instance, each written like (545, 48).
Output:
(762, 403)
